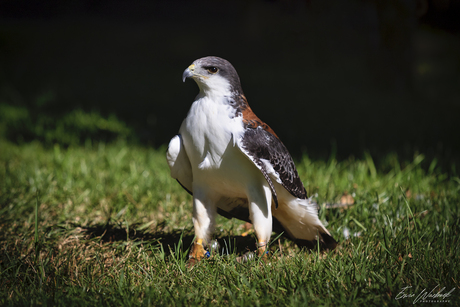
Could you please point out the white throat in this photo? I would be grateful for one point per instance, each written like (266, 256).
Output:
(214, 87)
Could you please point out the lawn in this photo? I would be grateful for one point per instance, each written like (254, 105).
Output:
(104, 224)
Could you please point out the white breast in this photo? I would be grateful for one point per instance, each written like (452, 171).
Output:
(207, 131)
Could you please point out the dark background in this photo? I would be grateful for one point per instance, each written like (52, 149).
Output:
(328, 76)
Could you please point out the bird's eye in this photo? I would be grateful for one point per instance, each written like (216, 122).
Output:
(212, 70)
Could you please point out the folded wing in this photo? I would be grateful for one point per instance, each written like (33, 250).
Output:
(270, 155)
(179, 163)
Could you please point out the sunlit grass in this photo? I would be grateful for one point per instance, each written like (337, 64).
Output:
(105, 224)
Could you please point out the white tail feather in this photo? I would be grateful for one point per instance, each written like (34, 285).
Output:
(299, 217)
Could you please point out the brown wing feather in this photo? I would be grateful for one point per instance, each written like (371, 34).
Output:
(260, 142)
(251, 120)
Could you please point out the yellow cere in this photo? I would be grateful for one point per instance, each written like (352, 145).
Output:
(192, 69)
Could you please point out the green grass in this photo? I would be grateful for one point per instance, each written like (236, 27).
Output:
(104, 224)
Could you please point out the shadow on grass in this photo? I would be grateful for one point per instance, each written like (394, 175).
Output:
(112, 233)
(237, 244)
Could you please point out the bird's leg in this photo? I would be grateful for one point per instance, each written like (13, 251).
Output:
(260, 199)
(203, 220)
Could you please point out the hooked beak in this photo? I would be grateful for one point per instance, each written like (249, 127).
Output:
(189, 72)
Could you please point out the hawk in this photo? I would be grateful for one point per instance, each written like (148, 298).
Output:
(234, 164)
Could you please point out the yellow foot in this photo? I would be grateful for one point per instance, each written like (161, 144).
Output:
(262, 249)
(197, 253)
(262, 252)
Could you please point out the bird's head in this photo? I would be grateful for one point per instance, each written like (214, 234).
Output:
(214, 75)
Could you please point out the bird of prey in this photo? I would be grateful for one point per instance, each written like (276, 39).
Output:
(235, 165)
